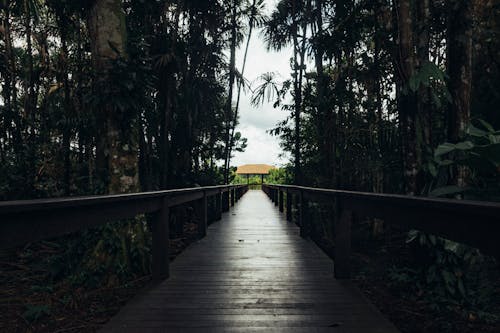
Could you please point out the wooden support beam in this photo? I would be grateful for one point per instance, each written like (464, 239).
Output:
(342, 252)
(233, 194)
(280, 200)
(201, 209)
(303, 215)
(289, 199)
(225, 201)
(161, 242)
(218, 206)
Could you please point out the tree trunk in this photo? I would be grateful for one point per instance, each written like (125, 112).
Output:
(235, 117)
(66, 142)
(326, 116)
(423, 50)
(459, 54)
(119, 149)
(297, 100)
(229, 105)
(407, 103)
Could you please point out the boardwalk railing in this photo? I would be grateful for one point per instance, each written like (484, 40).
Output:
(470, 222)
(32, 220)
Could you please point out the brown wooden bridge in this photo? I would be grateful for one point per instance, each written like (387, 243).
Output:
(252, 271)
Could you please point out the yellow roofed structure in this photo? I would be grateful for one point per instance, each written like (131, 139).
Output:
(254, 169)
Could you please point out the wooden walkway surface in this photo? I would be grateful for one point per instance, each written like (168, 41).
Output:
(252, 273)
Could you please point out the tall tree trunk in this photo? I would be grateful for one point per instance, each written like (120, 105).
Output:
(378, 172)
(67, 109)
(459, 54)
(235, 117)
(423, 51)
(229, 105)
(407, 103)
(29, 102)
(326, 116)
(459, 68)
(297, 99)
(108, 43)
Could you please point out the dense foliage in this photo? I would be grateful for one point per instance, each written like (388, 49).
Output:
(378, 85)
(112, 96)
(396, 97)
(164, 79)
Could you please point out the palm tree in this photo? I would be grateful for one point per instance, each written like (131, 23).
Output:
(287, 23)
(255, 15)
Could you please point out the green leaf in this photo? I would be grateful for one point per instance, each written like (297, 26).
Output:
(465, 145)
(474, 131)
(486, 125)
(444, 148)
(432, 169)
(446, 162)
(446, 190)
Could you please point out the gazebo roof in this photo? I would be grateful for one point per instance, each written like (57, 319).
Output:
(254, 169)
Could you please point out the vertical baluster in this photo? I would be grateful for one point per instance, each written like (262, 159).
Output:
(304, 216)
(342, 253)
(289, 200)
(218, 206)
(160, 234)
(280, 199)
(225, 200)
(201, 210)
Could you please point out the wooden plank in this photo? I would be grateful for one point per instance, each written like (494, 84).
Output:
(251, 273)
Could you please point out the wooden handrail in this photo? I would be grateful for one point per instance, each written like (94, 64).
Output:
(26, 221)
(474, 223)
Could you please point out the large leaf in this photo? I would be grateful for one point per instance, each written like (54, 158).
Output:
(465, 145)
(444, 148)
(474, 131)
(446, 190)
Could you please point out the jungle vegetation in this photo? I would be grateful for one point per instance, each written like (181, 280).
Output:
(116, 96)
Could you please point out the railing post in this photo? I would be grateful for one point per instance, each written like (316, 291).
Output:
(289, 199)
(232, 196)
(342, 252)
(225, 200)
(296, 204)
(304, 216)
(160, 251)
(202, 214)
(276, 197)
(280, 200)
(218, 206)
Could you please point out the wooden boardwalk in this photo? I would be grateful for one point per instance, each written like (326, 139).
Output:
(252, 273)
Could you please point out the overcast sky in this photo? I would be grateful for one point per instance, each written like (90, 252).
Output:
(254, 122)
